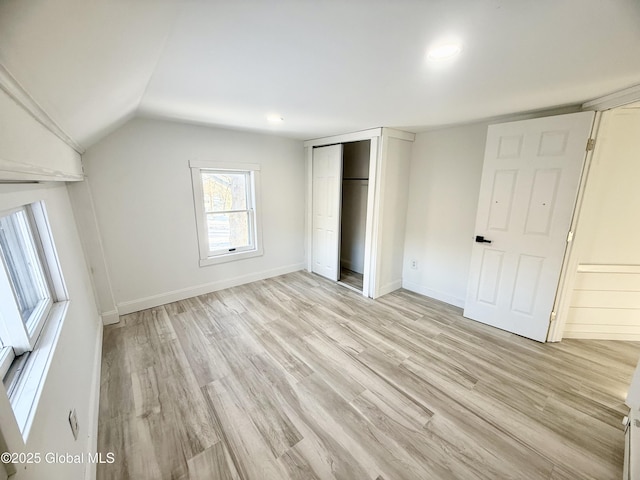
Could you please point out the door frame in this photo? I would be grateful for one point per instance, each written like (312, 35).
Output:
(373, 200)
(570, 262)
(566, 281)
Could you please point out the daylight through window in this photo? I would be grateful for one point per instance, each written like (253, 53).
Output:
(227, 204)
(226, 212)
(26, 291)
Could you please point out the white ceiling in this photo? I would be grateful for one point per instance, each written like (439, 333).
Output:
(327, 66)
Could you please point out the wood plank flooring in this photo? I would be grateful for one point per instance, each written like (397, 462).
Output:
(296, 377)
(351, 278)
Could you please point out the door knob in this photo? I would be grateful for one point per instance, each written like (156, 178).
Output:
(481, 239)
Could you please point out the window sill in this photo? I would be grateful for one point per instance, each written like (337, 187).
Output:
(230, 257)
(26, 395)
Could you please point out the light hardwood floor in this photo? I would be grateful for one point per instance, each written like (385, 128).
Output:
(299, 378)
(351, 278)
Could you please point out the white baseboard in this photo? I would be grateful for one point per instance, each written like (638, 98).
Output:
(428, 292)
(111, 317)
(175, 295)
(628, 337)
(389, 287)
(94, 409)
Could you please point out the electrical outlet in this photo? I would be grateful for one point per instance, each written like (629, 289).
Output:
(73, 421)
(414, 264)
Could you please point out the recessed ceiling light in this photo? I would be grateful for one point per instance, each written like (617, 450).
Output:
(274, 118)
(444, 51)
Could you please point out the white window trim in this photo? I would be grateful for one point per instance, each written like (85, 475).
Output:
(24, 334)
(6, 359)
(28, 387)
(26, 394)
(201, 225)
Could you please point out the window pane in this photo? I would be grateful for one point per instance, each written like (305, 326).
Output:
(228, 230)
(224, 191)
(21, 259)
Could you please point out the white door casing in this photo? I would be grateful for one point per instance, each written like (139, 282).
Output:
(327, 193)
(530, 180)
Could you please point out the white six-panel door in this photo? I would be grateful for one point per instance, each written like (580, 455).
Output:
(530, 180)
(327, 192)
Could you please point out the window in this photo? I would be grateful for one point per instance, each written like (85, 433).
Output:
(27, 297)
(33, 301)
(226, 217)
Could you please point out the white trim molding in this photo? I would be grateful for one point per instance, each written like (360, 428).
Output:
(308, 218)
(389, 287)
(361, 135)
(234, 167)
(369, 245)
(625, 337)
(436, 295)
(588, 268)
(402, 135)
(345, 138)
(183, 293)
(564, 291)
(94, 407)
(30, 385)
(109, 318)
(615, 99)
(13, 88)
(21, 172)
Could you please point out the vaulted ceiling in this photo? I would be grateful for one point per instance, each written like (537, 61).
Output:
(325, 66)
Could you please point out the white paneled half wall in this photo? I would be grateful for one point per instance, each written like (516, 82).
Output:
(605, 303)
(605, 300)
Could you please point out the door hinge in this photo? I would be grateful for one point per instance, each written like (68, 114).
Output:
(553, 317)
(569, 237)
(591, 143)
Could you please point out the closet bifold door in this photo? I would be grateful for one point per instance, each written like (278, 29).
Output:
(326, 203)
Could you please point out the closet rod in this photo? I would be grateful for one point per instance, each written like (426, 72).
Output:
(355, 179)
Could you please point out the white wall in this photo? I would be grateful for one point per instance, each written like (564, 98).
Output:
(609, 228)
(354, 222)
(446, 166)
(73, 377)
(394, 197)
(605, 302)
(84, 212)
(141, 186)
(356, 159)
(355, 168)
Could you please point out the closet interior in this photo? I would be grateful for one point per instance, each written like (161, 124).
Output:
(355, 190)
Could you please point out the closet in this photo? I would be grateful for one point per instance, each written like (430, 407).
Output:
(356, 208)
